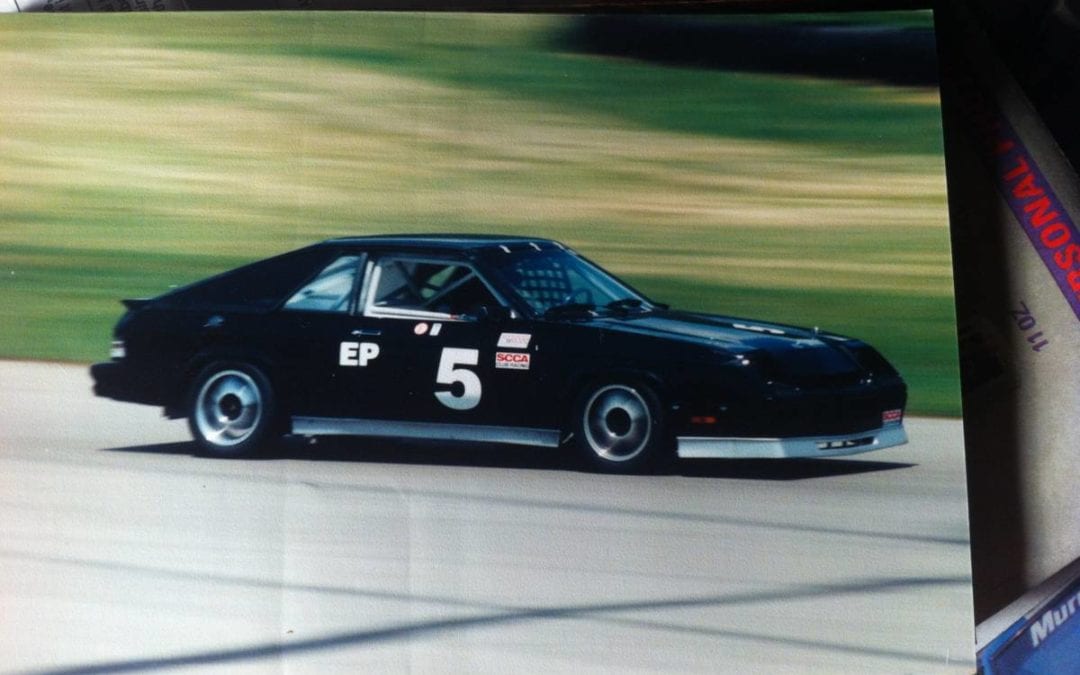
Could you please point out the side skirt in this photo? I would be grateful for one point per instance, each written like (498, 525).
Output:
(341, 426)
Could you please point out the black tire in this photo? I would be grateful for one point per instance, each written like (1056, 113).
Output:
(619, 427)
(231, 410)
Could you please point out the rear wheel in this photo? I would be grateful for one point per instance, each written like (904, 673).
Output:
(619, 427)
(231, 411)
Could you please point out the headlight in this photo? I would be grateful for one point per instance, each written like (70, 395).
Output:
(117, 351)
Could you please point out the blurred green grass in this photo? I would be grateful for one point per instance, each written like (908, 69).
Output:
(140, 153)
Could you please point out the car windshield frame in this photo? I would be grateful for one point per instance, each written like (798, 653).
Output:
(535, 284)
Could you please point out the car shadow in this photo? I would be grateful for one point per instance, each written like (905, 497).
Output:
(783, 469)
(382, 451)
(493, 456)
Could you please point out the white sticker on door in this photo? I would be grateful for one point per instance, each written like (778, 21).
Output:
(514, 340)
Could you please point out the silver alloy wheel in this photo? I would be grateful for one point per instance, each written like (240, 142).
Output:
(617, 423)
(228, 408)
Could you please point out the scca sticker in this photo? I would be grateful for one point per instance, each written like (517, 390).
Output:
(512, 360)
(514, 340)
(892, 416)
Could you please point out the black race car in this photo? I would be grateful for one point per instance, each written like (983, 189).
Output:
(489, 338)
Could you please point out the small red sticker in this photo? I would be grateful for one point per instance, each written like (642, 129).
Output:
(512, 360)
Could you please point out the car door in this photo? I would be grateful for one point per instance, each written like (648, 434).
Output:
(322, 346)
(455, 356)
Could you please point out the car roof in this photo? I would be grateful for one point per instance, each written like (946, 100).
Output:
(443, 242)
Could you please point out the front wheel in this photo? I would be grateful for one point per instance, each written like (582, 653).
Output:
(231, 409)
(619, 427)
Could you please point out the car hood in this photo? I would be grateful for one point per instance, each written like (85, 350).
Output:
(786, 350)
(719, 331)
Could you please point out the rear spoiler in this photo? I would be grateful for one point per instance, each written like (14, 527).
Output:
(136, 303)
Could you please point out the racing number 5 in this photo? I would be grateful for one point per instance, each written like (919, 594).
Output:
(449, 374)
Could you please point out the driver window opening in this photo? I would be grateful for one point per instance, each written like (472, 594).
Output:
(548, 279)
(544, 286)
(545, 283)
(412, 288)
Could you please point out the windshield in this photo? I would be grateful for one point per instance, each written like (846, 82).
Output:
(547, 278)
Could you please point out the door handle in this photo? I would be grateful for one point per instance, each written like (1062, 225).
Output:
(366, 332)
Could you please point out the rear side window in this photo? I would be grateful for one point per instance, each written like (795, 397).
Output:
(331, 290)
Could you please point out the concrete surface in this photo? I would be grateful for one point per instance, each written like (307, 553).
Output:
(120, 551)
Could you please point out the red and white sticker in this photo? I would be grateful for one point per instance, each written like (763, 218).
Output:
(512, 360)
(514, 340)
(892, 416)
(423, 328)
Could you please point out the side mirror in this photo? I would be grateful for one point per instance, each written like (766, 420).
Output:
(493, 313)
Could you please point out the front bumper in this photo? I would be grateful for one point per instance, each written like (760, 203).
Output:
(692, 447)
(117, 380)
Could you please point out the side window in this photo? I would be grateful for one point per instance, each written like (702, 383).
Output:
(331, 291)
(417, 288)
(544, 283)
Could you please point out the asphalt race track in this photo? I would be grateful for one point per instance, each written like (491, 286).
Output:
(122, 552)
